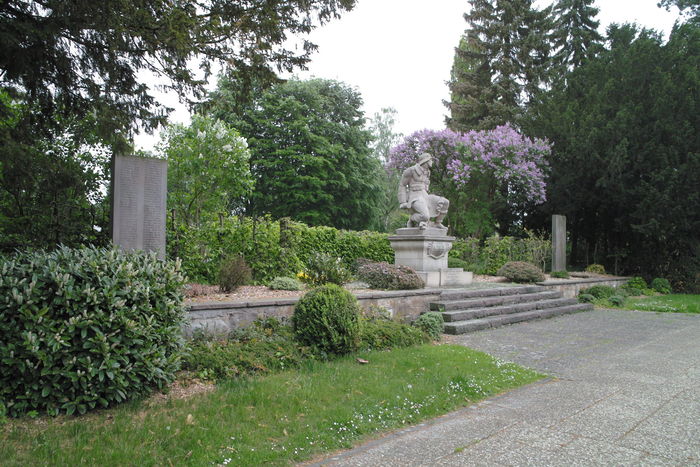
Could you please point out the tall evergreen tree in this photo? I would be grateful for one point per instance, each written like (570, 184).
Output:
(575, 36)
(499, 65)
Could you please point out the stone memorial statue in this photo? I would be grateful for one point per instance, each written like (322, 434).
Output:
(414, 196)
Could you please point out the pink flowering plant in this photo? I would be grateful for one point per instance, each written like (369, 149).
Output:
(489, 170)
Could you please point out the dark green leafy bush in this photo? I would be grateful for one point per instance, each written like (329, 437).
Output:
(519, 271)
(327, 318)
(635, 285)
(385, 334)
(431, 323)
(85, 328)
(596, 268)
(233, 273)
(559, 274)
(617, 300)
(661, 285)
(600, 291)
(326, 269)
(263, 347)
(389, 276)
(457, 263)
(285, 283)
(586, 298)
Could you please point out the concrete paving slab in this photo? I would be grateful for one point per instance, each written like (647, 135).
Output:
(624, 390)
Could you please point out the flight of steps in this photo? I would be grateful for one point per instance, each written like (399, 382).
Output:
(471, 310)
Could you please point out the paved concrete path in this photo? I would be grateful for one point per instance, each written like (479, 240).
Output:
(625, 390)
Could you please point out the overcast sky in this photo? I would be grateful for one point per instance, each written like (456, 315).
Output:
(398, 53)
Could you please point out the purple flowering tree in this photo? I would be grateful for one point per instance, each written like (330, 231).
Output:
(491, 177)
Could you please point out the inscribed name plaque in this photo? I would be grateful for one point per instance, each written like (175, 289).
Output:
(140, 191)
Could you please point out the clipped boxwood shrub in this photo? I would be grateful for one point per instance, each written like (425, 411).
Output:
(661, 285)
(85, 328)
(559, 274)
(327, 318)
(431, 323)
(520, 271)
(383, 275)
(596, 268)
(285, 283)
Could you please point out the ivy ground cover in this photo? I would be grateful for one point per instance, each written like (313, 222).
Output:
(276, 419)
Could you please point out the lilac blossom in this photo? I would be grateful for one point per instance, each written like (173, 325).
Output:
(502, 153)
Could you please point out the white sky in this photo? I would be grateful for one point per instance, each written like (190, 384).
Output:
(398, 53)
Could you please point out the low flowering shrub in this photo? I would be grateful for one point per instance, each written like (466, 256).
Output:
(431, 323)
(86, 328)
(326, 269)
(285, 283)
(383, 275)
(328, 319)
(520, 271)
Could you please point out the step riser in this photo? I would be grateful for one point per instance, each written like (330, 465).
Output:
(463, 315)
(448, 295)
(463, 327)
(460, 305)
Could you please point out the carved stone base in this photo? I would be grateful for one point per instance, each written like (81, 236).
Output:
(425, 250)
(451, 277)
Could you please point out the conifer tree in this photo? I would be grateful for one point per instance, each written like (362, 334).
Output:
(575, 37)
(500, 64)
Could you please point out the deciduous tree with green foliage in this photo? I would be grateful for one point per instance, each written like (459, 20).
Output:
(208, 170)
(310, 154)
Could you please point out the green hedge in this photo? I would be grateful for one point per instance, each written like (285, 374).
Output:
(488, 257)
(258, 240)
(85, 328)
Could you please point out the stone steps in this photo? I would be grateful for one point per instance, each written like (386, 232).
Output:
(450, 305)
(472, 310)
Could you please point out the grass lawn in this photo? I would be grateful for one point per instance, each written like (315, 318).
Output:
(674, 303)
(276, 419)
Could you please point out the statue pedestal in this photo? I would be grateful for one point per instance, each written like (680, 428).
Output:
(426, 252)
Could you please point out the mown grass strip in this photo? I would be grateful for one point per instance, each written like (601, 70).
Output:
(276, 419)
(674, 303)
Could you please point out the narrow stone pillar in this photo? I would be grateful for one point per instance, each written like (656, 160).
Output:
(558, 243)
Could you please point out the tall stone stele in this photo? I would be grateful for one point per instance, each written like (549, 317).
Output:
(139, 209)
(424, 244)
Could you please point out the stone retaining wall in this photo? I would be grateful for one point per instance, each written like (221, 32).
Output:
(571, 287)
(221, 317)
